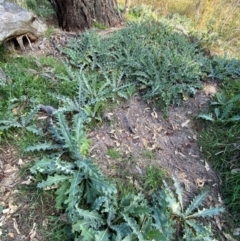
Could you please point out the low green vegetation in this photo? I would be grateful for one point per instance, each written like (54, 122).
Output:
(41, 8)
(163, 64)
(93, 206)
(222, 134)
(154, 178)
(114, 154)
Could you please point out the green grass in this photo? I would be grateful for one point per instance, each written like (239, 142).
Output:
(41, 8)
(29, 82)
(224, 157)
(114, 154)
(27, 86)
(42, 212)
(56, 229)
(220, 145)
(154, 178)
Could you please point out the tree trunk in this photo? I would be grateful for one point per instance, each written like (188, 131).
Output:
(75, 15)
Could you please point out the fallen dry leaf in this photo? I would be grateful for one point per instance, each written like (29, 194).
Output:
(117, 143)
(28, 181)
(4, 211)
(33, 232)
(154, 114)
(15, 225)
(218, 222)
(229, 237)
(20, 162)
(13, 208)
(145, 143)
(184, 124)
(11, 235)
(139, 170)
(207, 167)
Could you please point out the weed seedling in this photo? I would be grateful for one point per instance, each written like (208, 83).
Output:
(114, 154)
(154, 177)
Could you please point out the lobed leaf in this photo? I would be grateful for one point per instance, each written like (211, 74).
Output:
(53, 180)
(195, 203)
(207, 212)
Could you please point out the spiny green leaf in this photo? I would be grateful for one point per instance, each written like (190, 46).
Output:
(7, 124)
(157, 218)
(227, 110)
(53, 180)
(206, 117)
(173, 204)
(134, 226)
(234, 118)
(234, 99)
(130, 202)
(87, 223)
(122, 229)
(100, 184)
(65, 131)
(217, 112)
(178, 191)
(87, 234)
(45, 165)
(141, 210)
(102, 235)
(74, 192)
(78, 129)
(155, 234)
(61, 195)
(45, 146)
(199, 228)
(198, 200)
(63, 166)
(122, 94)
(99, 202)
(128, 238)
(93, 216)
(207, 212)
(35, 130)
(88, 167)
(26, 120)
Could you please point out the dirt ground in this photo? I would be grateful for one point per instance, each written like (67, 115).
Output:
(135, 127)
(132, 128)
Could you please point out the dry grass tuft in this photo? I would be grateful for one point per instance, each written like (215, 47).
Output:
(219, 16)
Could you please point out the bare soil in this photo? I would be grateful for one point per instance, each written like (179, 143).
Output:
(135, 127)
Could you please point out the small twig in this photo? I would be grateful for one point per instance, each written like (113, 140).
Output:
(129, 126)
(29, 42)
(57, 48)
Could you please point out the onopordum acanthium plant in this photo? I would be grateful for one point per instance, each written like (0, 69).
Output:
(94, 208)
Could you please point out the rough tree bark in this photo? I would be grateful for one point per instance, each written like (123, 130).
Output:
(75, 15)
